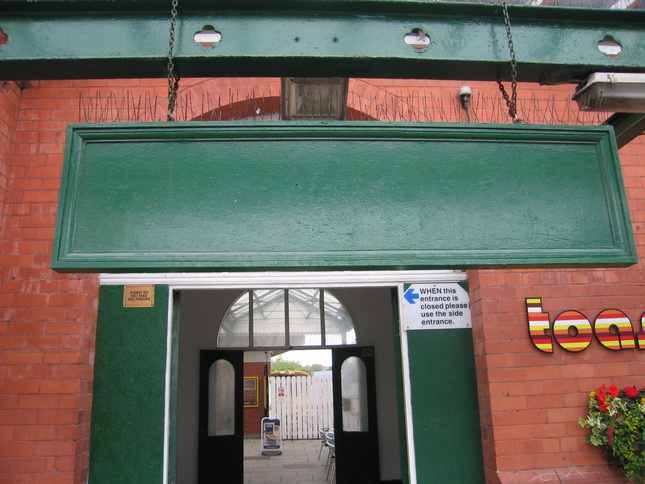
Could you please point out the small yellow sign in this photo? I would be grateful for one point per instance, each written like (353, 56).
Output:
(139, 296)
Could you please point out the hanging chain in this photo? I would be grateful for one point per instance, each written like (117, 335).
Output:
(511, 101)
(173, 79)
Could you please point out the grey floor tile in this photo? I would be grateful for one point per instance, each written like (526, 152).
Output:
(299, 463)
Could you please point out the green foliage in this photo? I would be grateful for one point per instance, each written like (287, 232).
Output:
(280, 364)
(313, 368)
(616, 419)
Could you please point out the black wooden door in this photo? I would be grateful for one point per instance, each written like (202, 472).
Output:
(355, 422)
(221, 432)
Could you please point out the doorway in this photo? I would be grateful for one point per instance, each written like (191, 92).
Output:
(351, 444)
(146, 381)
(201, 311)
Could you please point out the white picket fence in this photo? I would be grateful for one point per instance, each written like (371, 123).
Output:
(303, 404)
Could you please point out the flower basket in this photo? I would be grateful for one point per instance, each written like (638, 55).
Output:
(617, 421)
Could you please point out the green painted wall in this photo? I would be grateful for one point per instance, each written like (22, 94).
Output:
(126, 444)
(226, 196)
(445, 411)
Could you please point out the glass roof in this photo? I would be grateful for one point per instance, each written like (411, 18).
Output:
(286, 318)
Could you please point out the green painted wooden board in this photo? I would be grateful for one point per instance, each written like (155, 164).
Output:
(445, 412)
(127, 436)
(226, 196)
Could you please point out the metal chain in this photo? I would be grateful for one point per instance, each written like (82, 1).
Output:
(173, 79)
(511, 101)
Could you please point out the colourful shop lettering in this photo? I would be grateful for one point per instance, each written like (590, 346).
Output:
(574, 332)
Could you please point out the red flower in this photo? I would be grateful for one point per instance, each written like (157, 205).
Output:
(604, 407)
(601, 397)
(601, 389)
(613, 390)
(610, 434)
(631, 392)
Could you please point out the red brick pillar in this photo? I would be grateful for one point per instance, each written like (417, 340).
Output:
(47, 320)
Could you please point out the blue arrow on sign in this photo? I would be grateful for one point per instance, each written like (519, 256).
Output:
(411, 296)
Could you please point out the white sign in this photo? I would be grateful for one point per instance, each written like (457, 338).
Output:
(435, 306)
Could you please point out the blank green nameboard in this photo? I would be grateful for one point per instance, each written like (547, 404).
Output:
(233, 196)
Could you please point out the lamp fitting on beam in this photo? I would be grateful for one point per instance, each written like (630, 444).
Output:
(612, 92)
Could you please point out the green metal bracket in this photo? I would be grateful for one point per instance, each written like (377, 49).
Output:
(627, 126)
(56, 39)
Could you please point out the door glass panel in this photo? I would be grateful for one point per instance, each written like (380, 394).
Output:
(304, 317)
(234, 331)
(268, 318)
(339, 328)
(221, 399)
(353, 386)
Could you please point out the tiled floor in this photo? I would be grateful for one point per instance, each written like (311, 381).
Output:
(298, 463)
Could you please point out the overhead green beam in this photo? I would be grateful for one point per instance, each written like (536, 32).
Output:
(56, 39)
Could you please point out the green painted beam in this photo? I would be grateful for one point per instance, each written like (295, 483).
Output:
(55, 39)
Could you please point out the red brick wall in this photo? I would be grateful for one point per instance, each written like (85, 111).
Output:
(530, 401)
(9, 98)
(48, 319)
(253, 415)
